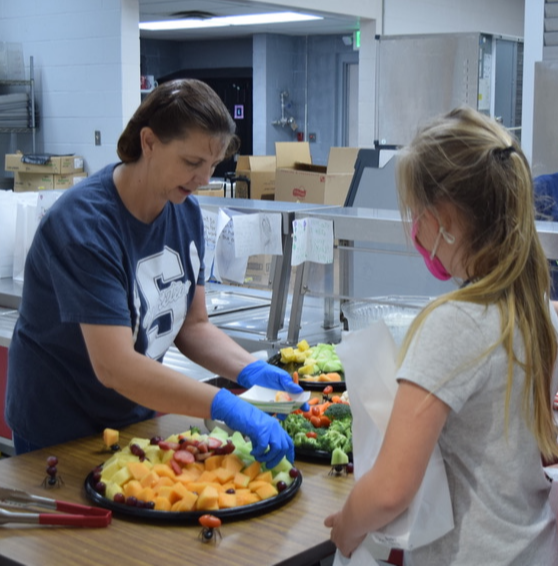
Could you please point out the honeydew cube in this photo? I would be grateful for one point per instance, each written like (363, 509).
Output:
(282, 476)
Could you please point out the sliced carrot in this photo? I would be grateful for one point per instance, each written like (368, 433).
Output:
(313, 400)
(324, 421)
(295, 377)
(333, 376)
(316, 421)
(336, 399)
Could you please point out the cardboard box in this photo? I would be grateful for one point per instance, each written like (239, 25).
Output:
(260, 169)
(59, 165)
(258, 271)
(24, 182)
(211, 190)
(298, 180)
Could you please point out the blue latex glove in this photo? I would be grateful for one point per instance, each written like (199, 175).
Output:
(264, 431)
(267, 375)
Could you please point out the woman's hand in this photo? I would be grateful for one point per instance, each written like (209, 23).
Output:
(341, 534)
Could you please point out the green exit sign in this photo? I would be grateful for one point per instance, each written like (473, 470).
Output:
(356, 40)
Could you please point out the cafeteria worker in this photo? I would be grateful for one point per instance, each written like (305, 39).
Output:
(115, 276)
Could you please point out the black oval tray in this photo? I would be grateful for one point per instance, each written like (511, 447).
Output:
(316, 456)
(308, 385)
(234, 513)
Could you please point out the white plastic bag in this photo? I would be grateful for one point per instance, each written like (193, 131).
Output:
(368, 358)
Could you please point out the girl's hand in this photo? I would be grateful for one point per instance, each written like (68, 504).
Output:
(341, 534)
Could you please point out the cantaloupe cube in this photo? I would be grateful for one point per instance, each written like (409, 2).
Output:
(246, 498)
(241, 480)
(227, 500)
(229, 485)
(162, 504)
(138, 469)
(208, 476)
(146, 494)
(199, 486)
(162, 482)
(252, 470)
(264, 476)
(179, 491)
(166, 492)
(110, 437)
(266, 491)
(255, 485)
(232, 462)
(195, 466)
(164, 471)
(186, 477)
(208, 499)
(187, 503)
(122, 476)
(132, 488)
(213, 462)
(223, 475)
(150, 479)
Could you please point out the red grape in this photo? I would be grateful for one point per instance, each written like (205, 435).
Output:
(281, 486)
(293, 472)
(52, 461)
(119, 498)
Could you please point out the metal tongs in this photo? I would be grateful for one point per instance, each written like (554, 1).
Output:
(71, 514)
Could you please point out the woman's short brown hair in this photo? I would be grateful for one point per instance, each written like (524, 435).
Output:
(172, 110)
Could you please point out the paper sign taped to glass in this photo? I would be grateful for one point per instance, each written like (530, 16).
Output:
(372, 387)
(312, 241)
(231, 237)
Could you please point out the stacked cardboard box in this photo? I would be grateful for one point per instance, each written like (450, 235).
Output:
(298, 180)
(60, 172)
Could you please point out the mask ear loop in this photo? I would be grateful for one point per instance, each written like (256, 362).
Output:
(449, 238)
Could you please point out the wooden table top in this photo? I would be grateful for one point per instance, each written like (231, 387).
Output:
(291, 534)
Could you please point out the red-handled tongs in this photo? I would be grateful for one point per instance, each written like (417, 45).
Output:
(71, 514)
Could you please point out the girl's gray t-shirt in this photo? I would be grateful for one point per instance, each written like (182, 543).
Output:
(497, 483)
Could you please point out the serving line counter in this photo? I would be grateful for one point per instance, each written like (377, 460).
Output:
(292, 534)
(374, 262)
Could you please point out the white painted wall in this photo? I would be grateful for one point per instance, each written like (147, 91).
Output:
(86, 58)
(501, 17)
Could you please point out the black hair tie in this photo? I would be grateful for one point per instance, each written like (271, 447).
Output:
(503, 153)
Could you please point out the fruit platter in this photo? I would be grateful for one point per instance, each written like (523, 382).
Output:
(187, 475)
(324, 432)
(312, 367)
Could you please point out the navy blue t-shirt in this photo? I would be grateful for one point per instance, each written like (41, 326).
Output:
(92, 262)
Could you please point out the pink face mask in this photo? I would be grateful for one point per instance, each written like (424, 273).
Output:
(433, 264)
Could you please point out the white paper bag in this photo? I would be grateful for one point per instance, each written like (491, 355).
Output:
(369, 361)
(31, 207)
(8, 210)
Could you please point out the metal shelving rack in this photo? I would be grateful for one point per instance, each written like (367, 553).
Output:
(32, 123)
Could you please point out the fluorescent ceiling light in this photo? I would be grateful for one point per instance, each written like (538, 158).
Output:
(248, 20)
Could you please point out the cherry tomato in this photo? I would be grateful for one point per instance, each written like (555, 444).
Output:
(210, 521)
(324, 421)
(315, 410)
(316, 422)
(311, 434)
(328, 390)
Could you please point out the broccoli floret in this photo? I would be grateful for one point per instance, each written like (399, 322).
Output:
(331, 440)
(343, 425)
(348, 446)
(302, 441)
(295, 423)
(338, 411)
